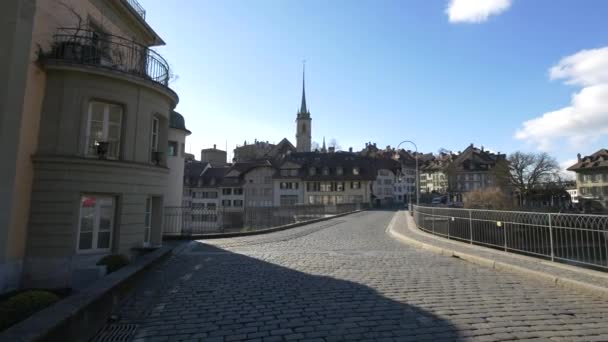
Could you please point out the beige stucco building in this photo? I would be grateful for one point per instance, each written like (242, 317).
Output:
(214, 156)
(592, 180)
(288, 186)
(383, 188)
(433, 175)
(258, 185)
(84, 125)
(332, 178)
(476, 169)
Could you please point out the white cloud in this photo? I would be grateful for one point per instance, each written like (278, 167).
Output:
(475, 11)
(564, 169)
(585, 120)
(585, 68)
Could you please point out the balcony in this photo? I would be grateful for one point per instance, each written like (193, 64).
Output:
(137, 8)
(92, 48)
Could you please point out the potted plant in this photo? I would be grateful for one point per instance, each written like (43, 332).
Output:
(156, 157)
(102, 149)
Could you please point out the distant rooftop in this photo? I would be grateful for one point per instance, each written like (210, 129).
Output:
(597, 160)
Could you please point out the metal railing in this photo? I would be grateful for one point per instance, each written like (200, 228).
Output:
(81, 46)
(138, 8)
(580, 240)
(192, 220)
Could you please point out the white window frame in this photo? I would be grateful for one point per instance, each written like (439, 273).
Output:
(172, 152)
(96, 219)
(154, 133)
(105, 129)
(148, 215)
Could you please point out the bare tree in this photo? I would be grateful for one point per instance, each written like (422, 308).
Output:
(334, 143)
(529, 170)
(314, 146)
(488, 198)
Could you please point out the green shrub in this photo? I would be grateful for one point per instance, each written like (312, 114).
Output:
(113, 262)
(23, 305)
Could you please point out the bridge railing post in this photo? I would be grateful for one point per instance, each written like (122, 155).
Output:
(504, 235)
(470, 226)
(433, 219)
(448, 224)
(551, 237)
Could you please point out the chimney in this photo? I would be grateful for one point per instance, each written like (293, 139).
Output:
(214, 146)
(578, 156)
(481, 148)
(350, 149)
(332, 149)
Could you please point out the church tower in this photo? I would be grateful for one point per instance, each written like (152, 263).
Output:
(303, 121)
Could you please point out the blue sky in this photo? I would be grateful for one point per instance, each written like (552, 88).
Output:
(385, 71)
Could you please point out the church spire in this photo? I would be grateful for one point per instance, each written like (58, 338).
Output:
(303, 120)
(303, 109)
(324, 149)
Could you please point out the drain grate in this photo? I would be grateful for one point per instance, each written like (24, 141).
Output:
(116, 333)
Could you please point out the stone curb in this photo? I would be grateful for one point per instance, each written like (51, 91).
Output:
(79, 316)
(560, 281)
(255, 232)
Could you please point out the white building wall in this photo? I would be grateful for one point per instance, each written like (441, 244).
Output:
(236, 193)
(361, 194)
(259, 187)
(278, 192)
(383, 187)
(174, 193)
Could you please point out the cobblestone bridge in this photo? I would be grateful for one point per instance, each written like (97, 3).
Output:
(347, 279)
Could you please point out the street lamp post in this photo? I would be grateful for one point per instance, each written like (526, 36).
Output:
(417, 178)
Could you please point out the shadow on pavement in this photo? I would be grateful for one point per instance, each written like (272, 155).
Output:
(227, 296)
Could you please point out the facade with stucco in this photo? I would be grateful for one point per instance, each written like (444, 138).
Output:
(87, 145)
(176, 157)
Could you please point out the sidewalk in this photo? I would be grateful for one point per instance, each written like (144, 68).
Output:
(403, 228)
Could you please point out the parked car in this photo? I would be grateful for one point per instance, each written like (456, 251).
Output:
(436, 201)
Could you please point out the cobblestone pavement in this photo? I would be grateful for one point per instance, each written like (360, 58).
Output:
(346, 279)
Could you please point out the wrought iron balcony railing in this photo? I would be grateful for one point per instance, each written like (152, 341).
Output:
(89, 47)
(138, 8)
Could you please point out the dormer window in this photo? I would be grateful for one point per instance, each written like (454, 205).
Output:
(325, 171)
(312, 171)
(356, 170)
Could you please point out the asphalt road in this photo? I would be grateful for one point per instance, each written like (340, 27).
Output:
(346, 279)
